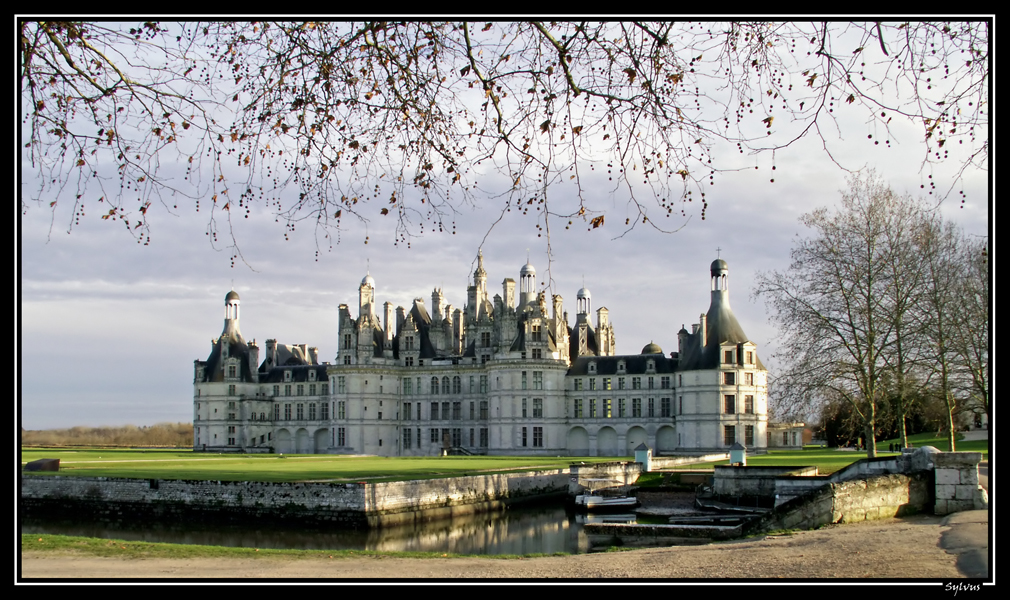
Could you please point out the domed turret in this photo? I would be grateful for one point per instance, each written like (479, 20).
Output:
(652, 348)
(583, 302)
(368, 280)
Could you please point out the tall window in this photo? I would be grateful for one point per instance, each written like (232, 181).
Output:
(748, 404)
(445, 385)
(231, 389)
(592, 384)
(592, 408)
(606, 408)
(457, 385)
(522, 385)
(301, 389)
(729, 404)
(324, 411)
(341, 384)
(620, 383)
(538, 408)
(750, 358)
(636, 383)
(406, 411)
(748, 379)
(433, 414)
(301, 411)
(472, 387)
(537, 335)
(407, 431)
(485, 339)
(729, 378)
(636, 407)
(621, 410)
(664, 382)
(537, 353)
(652, 407)
(341, 409)
(483, 437)
(445, 411)
(341, 436)
(577, 409)
(664, 407)
(277, 412)
(277, 390)
(483, 410)
(287, 412)
(408, 386)
(538, 380)
(524, 437)
(287, 389)
(748, 435)
(312, 411)
(728, 357)
(538, 437)
(232, 371)
(524, 408)
(457, 411)
(483, 384)
(434, 385)
(577, 385)
(312, 388)
(606, 383)
(729, 435)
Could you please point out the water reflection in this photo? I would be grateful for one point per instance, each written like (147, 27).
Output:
(520, 530)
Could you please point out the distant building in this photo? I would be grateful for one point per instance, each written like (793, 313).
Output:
(503, 375)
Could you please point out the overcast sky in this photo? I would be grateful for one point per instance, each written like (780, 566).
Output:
(109, 329)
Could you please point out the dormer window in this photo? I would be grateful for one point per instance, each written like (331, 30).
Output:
(312, 375)
(620, 366)
(287, 375)
(727, 357)
(650, 366)
(592, 367)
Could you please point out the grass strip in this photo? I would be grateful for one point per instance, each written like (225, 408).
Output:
(69, 544)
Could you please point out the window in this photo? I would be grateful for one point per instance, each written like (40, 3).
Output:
(457, 385)
(538, 437)
(728, 357)
(277, 390)
(729, 378)
(433, 415)
(483, 410)
(483, 437)
(434, 385)
(652, 407)
(577, 385)
(312, 411)
(472, 387)
(606, 408)
(231, 389)
(408, 343)
(287, 375)
(457, 436)
(341, 436)
(472, 416)
(536, 334)
(636, 407)
(406, 411)
(592, 408)
(524, 408)
(471, 437)
(664, 382)
(445, 386)
(408, 361)
(445, 411)
(592, 367)
(538, 380)
(347, 359)
(433, 436)
(522, 385)
(524, 437)
(577, 408)
(748, 404)
(750, 358)
(484, 358)
(652, 383)
(300, 410)
(312, 375)
(592, 383)
(606, 383)
(620, 383)
(538, 353)
(680, 405)
(341, 410)
(324, 411)
(287, 390)
(341, 385)
(347, 341)
(407, 431)
(636, 383)
(232, 371)
(325, 389)
(312, 387)
(748, 379)
(728, 435)
(785, 438)
(287, 412)
(538, 408)
(300, 389)
(729, 404)
(620, 366)
(457, 411)
(664, 407)
(485, 339)
(483, 384)
(408, 386)
(621, 410)
(748, 435)
(277, 412)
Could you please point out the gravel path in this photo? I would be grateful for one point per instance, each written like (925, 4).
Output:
(905, 548)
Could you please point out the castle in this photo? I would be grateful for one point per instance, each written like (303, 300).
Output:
(503, 375)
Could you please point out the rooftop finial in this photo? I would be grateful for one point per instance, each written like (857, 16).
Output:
(718, 252)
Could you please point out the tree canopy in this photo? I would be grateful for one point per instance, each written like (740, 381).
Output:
(324, 121)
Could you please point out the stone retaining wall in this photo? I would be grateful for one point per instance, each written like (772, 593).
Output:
(957, 482)
(345, 504)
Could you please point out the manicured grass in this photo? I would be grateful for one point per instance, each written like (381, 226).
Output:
(940, 443)
(163, 464)
(67, 544)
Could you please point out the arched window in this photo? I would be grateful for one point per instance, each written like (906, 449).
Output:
(434, 385)
(457, 385)
(445, 385)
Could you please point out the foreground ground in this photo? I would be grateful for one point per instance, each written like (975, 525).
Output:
(920, 547)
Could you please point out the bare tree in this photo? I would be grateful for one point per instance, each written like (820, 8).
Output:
(834, 305)
(970, 339)
(319, 121)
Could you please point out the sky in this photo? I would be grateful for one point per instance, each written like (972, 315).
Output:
(108, 329)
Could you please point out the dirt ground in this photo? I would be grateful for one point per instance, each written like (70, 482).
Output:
(905, 548)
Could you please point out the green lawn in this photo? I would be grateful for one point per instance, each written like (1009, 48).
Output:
(173, 464)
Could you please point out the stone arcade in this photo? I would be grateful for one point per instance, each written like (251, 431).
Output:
(500, 376)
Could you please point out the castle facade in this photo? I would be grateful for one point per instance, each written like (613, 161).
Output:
(505, 374)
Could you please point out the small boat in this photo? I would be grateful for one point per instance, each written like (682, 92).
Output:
(593, 500)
